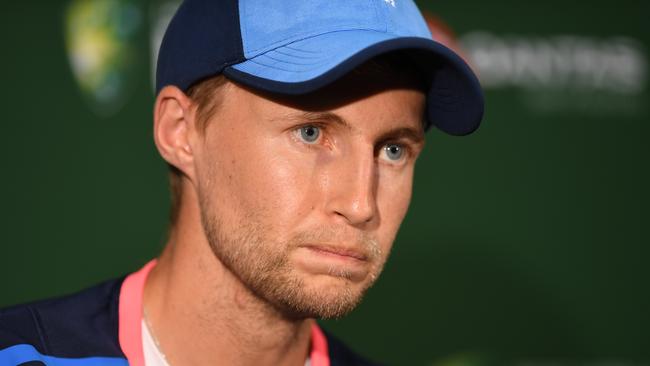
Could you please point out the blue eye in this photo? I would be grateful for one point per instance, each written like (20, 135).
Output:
(394, 152)
(309, 134)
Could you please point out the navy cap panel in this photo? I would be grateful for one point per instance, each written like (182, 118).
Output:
(450, 107)
(455, 102)
(200, 41)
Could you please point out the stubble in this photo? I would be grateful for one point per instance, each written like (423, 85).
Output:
(247, 249)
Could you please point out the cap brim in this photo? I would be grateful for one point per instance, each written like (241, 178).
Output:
(454, 101)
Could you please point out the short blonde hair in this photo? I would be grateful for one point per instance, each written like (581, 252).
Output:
(206, 95)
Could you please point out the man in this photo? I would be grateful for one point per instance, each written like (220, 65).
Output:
(291, 128)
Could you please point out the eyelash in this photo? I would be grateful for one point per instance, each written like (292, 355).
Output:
(407, 150)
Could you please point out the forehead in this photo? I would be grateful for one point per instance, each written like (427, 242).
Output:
(389, 84)
(359, 102)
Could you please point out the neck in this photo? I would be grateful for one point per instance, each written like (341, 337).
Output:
(201, 314)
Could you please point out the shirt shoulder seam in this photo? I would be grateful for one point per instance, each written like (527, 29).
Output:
(39, 329)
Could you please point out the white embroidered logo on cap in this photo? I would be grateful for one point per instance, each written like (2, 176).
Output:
(390, 2)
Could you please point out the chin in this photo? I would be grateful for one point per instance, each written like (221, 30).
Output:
(321, 297)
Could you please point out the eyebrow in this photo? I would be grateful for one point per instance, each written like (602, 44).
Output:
(415, 135)
(323, 117)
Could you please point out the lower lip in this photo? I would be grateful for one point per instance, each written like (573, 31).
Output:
(323, 262)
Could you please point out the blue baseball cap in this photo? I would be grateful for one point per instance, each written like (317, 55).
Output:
(295, 47)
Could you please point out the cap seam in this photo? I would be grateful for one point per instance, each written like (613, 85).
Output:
(333, 31)
(309, 68)
(381, 14)
(302, 36)
(277, 59)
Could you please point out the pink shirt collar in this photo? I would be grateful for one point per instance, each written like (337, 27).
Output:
(130, 323)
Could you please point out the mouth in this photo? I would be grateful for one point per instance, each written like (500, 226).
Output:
(334, 261)
(336, 251)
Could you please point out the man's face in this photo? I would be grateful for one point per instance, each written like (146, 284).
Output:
(301, 198)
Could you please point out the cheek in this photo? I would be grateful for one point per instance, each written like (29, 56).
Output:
(266, 181)
(393, 199)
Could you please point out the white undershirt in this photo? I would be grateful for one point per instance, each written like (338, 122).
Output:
(153, 356)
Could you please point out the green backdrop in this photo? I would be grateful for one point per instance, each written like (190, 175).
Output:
(527, 243)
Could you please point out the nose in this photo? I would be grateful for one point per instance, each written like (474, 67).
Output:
(353, 184)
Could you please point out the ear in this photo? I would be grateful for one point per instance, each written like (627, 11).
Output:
(173, 129)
